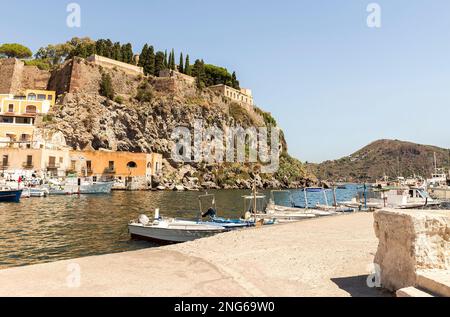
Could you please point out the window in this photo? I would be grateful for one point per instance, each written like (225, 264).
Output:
(50, 97)
(31, 109)
(10, 108)
(132, 165)
(61, 160)
(111, 165)
(6, 120)
(25, 137)
(89, 165)
(73, 165)
(20, 120)
(41, 97)
(31, 96)
(29, 160)
(52, 162)
(5, 160)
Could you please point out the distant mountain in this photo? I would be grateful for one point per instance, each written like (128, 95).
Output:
(384, 157)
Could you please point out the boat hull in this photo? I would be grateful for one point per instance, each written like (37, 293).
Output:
(11, 196)
(171, 235)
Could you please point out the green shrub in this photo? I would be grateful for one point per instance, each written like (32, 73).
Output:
(119, 99)
(106, 87)
(145, 93)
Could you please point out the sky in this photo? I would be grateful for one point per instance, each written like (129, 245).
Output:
(333, 83)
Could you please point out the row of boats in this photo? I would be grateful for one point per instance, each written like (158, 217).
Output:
(13, 191)
(257, 213)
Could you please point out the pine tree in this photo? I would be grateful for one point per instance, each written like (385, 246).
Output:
(187, 66)
(180, 65)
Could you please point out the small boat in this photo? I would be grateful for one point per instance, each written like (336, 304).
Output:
(9, 195)
(211, 213)
(313, 189)
(171, 230)
(76, 186)
(29, 192)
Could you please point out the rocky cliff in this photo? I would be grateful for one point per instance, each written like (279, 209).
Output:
(142, 117)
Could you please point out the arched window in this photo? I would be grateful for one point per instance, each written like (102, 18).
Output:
(31, 109)
(132, 165)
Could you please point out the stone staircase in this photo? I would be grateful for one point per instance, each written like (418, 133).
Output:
(430, 283)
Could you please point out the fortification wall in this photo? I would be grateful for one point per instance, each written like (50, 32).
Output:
(16, 77)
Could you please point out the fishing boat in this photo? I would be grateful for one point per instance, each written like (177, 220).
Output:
(293, 209)
(397, 197)
(171, 230)
(211, 213)
(10, 195)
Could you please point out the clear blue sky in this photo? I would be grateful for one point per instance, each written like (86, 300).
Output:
(333, 84)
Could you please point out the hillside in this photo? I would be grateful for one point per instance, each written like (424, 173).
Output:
(384, 157)
(142, 116)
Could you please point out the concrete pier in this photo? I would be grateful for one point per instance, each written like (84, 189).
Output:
(319, 257)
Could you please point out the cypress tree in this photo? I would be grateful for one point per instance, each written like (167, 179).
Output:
(180, 65)
(151, 61)
(234, 81)
(172, 60)
(166, 63)
(159, 62)
(117, 52)
(187, 66)
(143, 57)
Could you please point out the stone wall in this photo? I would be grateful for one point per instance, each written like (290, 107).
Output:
(15, 77)
(410, 241)
(113, 64)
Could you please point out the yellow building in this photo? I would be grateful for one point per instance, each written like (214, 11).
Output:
(27, 160)
(131, 171)
(18, 113)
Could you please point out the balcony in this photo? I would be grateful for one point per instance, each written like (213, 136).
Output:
(110, 170)
(87, 171)
(53, 166)
(28, 165)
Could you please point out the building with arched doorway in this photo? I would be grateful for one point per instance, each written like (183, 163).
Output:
(130, 171)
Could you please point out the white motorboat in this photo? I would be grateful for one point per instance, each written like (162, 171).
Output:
(171, 230)
(74, 186)
(401, 197)
(35, 192)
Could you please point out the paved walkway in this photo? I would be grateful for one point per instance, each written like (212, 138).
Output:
(319, 257)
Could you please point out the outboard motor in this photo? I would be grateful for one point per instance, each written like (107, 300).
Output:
(209, 213)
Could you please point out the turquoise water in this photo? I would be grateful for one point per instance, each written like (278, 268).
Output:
(55, 228)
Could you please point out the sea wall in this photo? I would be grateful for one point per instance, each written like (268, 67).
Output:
(411, 241)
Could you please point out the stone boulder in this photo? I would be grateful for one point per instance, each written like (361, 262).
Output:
(411, 241)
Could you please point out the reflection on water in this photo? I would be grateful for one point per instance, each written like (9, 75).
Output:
(61, 227)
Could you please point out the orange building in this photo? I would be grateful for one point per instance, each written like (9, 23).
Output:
(131, 171)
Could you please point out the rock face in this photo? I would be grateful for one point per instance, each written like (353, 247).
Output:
(410, 241)
(142, 117)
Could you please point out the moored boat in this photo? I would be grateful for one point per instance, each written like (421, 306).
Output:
(10, 195)
(171, 230)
